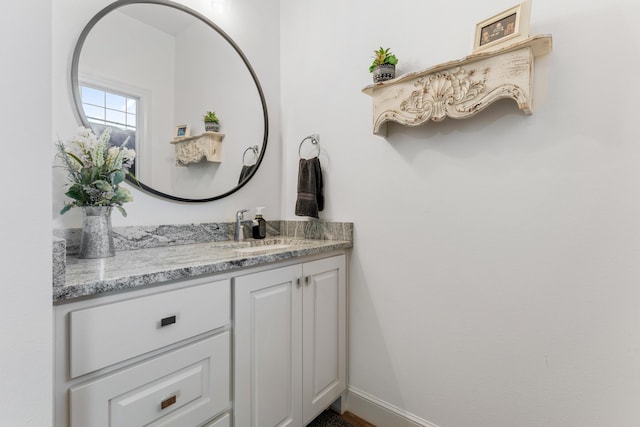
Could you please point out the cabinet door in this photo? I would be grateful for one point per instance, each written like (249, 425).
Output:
(324, 334)
(268, 344)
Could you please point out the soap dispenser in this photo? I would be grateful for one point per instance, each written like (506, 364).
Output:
(259, 225)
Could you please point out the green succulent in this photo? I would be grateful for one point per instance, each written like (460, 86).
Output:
(382, 56)
(210, 116)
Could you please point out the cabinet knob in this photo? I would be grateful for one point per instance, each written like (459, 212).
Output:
(298, 282)
(167, 321)
(168, 402)
(307, 280)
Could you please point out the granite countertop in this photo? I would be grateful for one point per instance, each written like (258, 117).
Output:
(129, 269)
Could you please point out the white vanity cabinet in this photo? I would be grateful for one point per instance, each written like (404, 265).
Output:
(163, 355)
(153, 357)
(290, 343)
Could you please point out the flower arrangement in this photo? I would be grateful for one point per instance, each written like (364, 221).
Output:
(95, 170)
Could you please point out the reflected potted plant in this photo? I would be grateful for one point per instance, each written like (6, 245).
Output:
(211, 122)
(383, 66)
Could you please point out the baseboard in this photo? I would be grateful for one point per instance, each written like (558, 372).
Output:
(379, 412)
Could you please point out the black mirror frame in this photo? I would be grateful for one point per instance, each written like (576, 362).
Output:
(75, 87)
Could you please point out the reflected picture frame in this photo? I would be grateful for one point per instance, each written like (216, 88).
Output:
(182, 131)
(503, 29)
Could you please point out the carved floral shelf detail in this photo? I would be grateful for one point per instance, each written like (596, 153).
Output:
(194, 149)
(459, 89)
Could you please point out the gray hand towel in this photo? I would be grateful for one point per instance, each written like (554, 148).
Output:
(245, 172)
(310, 199)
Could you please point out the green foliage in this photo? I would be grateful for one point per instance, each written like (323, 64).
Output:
(210, 116)
(382, 56)
(95, 171)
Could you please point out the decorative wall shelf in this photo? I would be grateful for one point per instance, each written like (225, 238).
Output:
(459, 89)
(194, 149)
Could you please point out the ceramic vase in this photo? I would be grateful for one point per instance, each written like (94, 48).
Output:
(96, 240)
(384, 72)
(211, 126)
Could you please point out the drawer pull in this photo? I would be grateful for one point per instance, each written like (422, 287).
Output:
(168, 402)
(167, 321)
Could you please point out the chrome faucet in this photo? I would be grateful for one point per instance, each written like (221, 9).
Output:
(238, 232)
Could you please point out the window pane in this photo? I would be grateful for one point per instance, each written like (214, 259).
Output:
(99, 122)
(116, 102)
(108, 108)
(116, 116)
(132, 106)
(93, 111)
(92, 96)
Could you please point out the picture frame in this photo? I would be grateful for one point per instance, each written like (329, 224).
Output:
(182, 131)
(511, 26)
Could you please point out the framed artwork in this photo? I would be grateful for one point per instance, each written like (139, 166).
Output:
(511, 26)
(182, 131)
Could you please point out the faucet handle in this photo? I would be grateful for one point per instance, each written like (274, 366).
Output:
(240, 213)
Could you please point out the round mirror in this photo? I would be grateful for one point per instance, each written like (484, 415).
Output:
(149, 71)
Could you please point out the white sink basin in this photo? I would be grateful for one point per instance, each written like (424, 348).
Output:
(268, 245)
(263, 248)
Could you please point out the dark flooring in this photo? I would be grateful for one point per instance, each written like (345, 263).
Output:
(330, 419)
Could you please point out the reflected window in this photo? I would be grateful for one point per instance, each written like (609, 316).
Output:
(109, 108)
(116, 111)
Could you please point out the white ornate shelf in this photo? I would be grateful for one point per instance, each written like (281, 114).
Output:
(194, 149)
(458, 89)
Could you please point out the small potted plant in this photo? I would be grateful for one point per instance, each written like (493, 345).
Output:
(211, 122)
(383, 66)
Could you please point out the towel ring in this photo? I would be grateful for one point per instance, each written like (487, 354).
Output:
(315, 139)
(255, 151)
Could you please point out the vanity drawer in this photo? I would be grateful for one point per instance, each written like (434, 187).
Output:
(184, 387)
(224, 421)
(107, 334)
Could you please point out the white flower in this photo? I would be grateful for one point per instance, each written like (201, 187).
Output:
(96, 170)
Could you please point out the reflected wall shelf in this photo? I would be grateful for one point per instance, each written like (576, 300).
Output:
(459, 89)
(194, 149)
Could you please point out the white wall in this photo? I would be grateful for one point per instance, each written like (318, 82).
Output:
(110, 60)
(211, 76)
(26, 334)
(494, 275)
(244, 21)
(494, 278)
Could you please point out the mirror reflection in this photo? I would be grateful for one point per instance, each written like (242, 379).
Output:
(150, 72)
